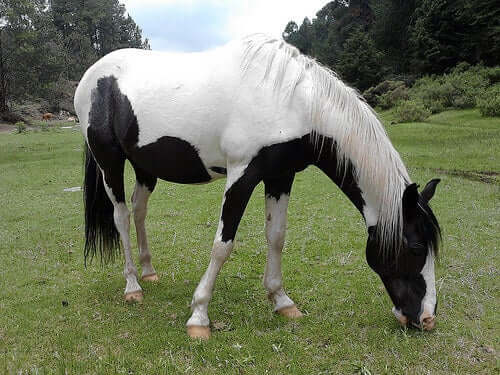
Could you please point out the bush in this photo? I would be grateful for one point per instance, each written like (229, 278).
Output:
(459, 89)
(392, 98)
(489, 101)
(411, 110)
(382, 94)
(20, 127)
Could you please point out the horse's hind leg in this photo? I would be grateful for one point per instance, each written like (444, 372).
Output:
(277, 197)
(113, 183)
(144, 186)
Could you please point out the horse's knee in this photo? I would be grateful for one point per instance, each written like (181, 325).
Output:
(121, 215)
(221, 250)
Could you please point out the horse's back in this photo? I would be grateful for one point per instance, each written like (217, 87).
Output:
(171, 105)
(209, 100)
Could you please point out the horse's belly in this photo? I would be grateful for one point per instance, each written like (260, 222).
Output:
(172, 159)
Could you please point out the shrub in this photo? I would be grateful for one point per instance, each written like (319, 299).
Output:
(393, 97)
(459, 89)
(489, 101)
(380, 95)
(44, 126)
(411, 110)
(20, 127)
(492, 74)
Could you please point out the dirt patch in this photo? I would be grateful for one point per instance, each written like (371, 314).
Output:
(6, 128)
(487, 177)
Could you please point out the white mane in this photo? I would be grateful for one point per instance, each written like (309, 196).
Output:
(338, 111)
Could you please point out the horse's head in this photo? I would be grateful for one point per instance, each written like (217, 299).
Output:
(408, 272)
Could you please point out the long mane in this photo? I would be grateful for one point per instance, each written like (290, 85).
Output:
(338, 111)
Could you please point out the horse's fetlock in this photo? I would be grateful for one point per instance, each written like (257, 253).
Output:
(272, 285)
(145, 257)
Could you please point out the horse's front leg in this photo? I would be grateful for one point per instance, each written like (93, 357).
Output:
(239, 187)
(277, 197)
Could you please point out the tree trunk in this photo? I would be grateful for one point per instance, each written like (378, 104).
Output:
(3, 81)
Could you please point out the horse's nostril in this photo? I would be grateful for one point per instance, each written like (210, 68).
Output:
(429, 323)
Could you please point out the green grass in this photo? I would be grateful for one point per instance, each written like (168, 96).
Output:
(348, 327)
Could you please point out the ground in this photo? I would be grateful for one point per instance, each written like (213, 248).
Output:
(58, 316)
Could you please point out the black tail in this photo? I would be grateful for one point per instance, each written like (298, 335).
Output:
(100, 231)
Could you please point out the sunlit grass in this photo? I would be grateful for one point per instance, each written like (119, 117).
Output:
(348, 327)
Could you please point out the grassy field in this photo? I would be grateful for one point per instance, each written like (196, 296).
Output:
(58, 317)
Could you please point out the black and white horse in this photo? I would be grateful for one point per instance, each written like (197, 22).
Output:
(254, 110)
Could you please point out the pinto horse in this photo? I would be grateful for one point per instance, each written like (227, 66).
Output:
(254, 110)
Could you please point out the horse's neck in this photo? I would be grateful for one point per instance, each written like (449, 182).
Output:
(325, 158)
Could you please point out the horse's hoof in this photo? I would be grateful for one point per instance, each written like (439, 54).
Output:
(151, 278)
(198, 332)
(291, 312)
(134, 297)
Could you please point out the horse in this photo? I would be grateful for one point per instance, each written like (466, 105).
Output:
(255, 110)
(47, 116)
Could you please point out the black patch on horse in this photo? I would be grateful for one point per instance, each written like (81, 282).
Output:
(169, 158)
(219, 170)
(279, 163)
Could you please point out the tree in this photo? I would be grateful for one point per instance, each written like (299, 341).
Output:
(325, 36)
(360, 62)
(92, 29)
(300, 37)
(44, 43)
(30, 55)
(446, 32)
(390, 32)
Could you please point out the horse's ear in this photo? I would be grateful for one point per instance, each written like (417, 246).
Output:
(410, 199)
(429, 189)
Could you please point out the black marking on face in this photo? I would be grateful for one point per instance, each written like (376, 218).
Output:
(169, 158)
(401, 273)
(219, 170)
(407, 295)
(401, 276)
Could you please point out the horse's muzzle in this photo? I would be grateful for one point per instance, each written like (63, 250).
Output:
(427, 321)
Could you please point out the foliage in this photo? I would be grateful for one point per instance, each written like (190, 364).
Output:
(461, 88)
(43, 44)
(326, 38)
(20, 127)
(386, 94)
(458, 89)
(393, 97)
(390, 32)
(489, 101)
(411, 111)
(446, 32)
(411, 37)
(360, 62)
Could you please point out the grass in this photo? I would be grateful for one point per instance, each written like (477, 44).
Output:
(58, 317)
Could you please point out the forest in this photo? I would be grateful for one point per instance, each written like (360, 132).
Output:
(381, 47)
(366, 41)
(46, 46)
